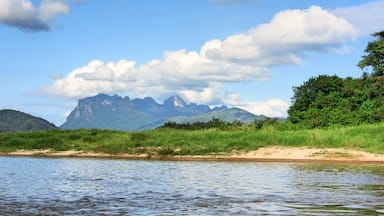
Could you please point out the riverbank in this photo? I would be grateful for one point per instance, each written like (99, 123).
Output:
(245, 143)
(267, 154)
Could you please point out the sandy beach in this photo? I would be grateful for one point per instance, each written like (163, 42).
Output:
(269, 154)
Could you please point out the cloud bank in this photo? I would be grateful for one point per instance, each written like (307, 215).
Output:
(23, 15)
(199, 76)
(271, 108)
(368, 18)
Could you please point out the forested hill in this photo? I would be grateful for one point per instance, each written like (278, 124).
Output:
(12, 120)
(330, 100)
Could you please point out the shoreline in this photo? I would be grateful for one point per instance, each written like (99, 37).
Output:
(268, 154)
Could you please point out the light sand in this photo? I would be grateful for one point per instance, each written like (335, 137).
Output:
(312, 154)
(271, 154)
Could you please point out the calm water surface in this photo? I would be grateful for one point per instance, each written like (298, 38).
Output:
(43, 186)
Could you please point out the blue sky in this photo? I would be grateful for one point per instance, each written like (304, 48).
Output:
(244, 53)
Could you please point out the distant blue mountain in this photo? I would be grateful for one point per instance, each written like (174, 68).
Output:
(117, 113)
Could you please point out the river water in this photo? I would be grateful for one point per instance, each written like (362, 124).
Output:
(69, 186)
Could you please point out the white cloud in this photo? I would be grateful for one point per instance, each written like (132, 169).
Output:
(100, 73)
(271, 108)
(23, 15)
(289, 34)
(210, 94)
(199, 75)
(50, 8)
(368, 18)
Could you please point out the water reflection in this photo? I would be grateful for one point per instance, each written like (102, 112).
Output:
(34, 186)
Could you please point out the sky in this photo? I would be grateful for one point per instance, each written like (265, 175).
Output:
(241, 53)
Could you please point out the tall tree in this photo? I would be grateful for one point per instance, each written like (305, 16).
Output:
(312, 101)
(374, 57)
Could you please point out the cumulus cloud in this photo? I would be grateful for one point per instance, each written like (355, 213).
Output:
(100, 73)
(368, 18)
(50, 8)
(24, 15)
(199, 76)
(289, 34)
(271, 108)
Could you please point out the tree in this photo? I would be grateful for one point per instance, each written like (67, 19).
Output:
(311, 100)
(307, 93)
(374, 57)
(329, 100)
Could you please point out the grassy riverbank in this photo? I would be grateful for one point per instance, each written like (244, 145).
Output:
(168, 142)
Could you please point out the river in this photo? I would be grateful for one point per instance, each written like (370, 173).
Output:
(75, 186)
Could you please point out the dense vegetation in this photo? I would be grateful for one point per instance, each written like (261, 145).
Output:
(330, 100)
(12, 120)
(198, 125)
(325, 101)
(170, 142)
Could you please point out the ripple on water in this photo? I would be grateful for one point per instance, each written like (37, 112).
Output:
(93, 187)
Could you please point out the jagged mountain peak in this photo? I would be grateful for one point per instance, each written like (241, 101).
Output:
(220, 108)
(175, 101)
(114, 112)
(103, 96)
(100, 98)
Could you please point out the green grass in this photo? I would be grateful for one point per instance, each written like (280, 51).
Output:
(167, 142)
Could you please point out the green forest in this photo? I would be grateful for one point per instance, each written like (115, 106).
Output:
(325, 100)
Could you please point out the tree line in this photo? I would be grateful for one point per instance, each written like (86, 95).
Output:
(330, 100)
(199, 125)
